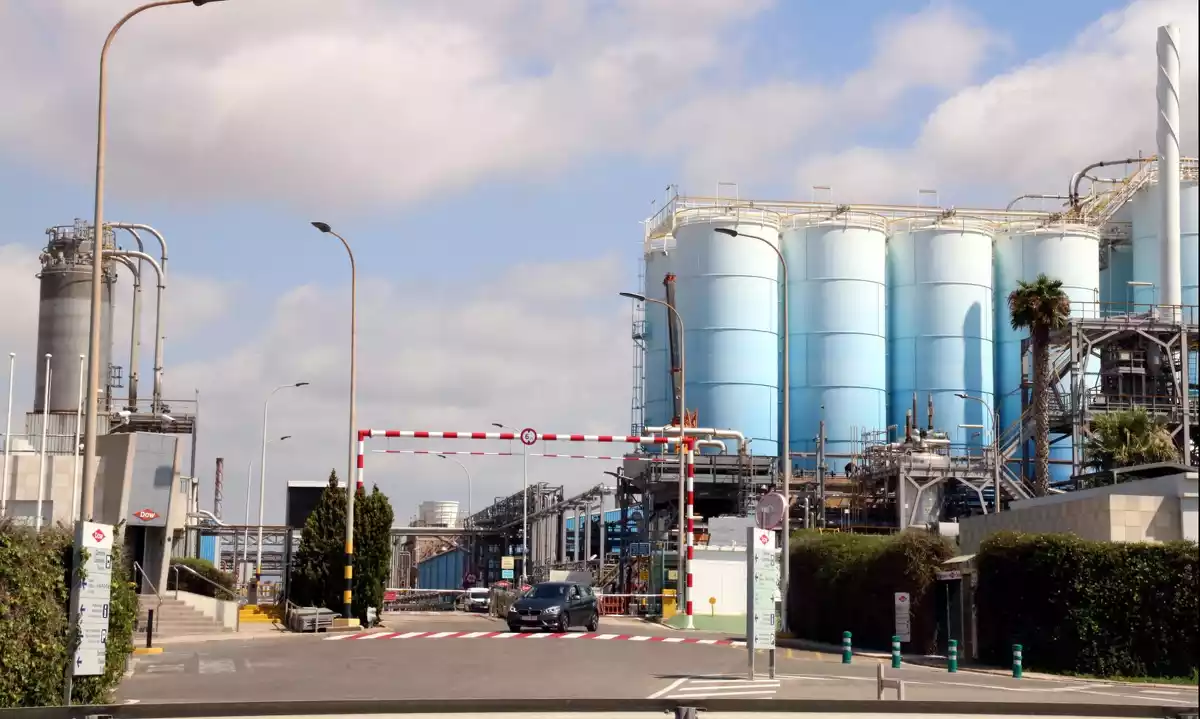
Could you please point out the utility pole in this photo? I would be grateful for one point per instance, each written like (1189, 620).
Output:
(821, 474)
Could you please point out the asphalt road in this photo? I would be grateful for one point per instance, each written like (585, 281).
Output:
(427, 657)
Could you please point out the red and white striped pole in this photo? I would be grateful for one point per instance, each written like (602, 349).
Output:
(690, 461)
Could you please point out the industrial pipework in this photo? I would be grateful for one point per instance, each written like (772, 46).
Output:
(158, 337)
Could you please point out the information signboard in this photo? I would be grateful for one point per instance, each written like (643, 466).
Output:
(507, 562)
(762, 574)
(903, 605)
(91, 596)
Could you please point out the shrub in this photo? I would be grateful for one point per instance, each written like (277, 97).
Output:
(317, 578)
(847, 582)
(189, 582)
(1099, 608)
(35, 594)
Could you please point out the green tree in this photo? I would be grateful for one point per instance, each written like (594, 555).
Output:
(317, 569)
(1126, 439)
(1040, 307)
(372, 549)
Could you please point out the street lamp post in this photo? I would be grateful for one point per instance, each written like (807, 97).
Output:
(93, 353)
(785, 448)
(681, 583)
(352, 456)
(466, 472)
(524, 504)
(249, 485)
(12, 369)
(262, 474)
(471, 539)
(995, 419)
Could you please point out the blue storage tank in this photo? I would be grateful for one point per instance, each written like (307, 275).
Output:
(1146, 206)
(940, 322)
(1066, 252)
(1115, 292)
(727, 292)
(443, 571)
(659, 408)
(837, 300)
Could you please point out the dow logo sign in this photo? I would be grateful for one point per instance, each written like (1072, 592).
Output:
(146, 514)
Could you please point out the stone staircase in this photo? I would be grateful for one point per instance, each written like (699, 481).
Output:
(173, 618)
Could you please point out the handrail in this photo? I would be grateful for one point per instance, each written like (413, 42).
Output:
(176, 567)
(137, 568)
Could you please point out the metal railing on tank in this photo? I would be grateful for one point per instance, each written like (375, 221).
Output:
(1131, 313)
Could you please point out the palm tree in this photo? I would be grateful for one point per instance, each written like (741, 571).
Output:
(1126, 439)
(1040, 307)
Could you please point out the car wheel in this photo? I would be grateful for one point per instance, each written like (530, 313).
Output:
(564, 623)
(594, 624)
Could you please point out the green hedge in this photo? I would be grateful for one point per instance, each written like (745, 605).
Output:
(846, 582)
(1098, 608)
(189, 582)
(35, 594)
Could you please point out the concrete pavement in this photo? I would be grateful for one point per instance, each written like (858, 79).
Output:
(452, 658)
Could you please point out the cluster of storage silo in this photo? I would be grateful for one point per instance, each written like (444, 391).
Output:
(884, 304)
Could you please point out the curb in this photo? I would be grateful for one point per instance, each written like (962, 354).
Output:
(935, 662)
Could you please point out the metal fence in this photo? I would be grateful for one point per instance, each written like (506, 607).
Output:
(422, 600)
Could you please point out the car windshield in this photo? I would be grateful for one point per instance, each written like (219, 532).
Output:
(548, 591)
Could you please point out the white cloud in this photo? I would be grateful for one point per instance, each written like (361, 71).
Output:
(361, 101)
(535, 345)
(1029, 129)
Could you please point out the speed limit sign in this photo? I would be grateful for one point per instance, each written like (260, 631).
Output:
(528, 436)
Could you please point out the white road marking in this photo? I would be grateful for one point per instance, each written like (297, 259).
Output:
(505, 635)
(472, 635)
(668, 688)
(571, 636)
(607, 636)
(440, 635)
(707, 641)
(217, 666)
(736, 681)
(336, 637)
(1159, 692)
(673, 640)
(409, 635)
(750, 692)
(378, 635)
(163, 668)
(639, 639)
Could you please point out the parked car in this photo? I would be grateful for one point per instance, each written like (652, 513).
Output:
(555, 606)
(477, 599)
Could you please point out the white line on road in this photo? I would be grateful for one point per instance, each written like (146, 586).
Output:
(409, 635)
(639, 639)
(378, 635)
(505, 635)
(440, 635)
(607, 636)
(472, 635)
(735, 681)
(217, 666)
(668, 688)
(538, 636)
(1159, 692)
(572, 636)
(673, 640)
(722, 694)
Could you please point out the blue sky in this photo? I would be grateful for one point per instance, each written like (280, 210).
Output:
(492, 178)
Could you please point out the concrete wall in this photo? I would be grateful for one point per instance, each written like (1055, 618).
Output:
(1162, 509)
(720, 574)
(223, 611)
(57, 488)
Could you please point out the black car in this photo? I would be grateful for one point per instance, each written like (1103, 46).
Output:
(557, 606)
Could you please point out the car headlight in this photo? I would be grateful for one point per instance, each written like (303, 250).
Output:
(551, 610)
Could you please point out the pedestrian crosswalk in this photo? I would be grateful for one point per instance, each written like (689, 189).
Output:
(718, 687)
(377, 636)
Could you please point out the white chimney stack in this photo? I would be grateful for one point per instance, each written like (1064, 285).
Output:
(1171, 264)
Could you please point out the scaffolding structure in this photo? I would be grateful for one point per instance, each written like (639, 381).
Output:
(1100, 363)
